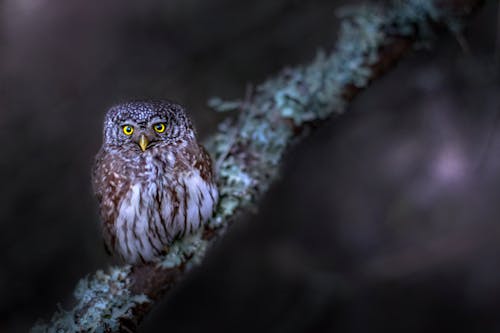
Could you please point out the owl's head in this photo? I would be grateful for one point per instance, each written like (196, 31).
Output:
(140, 125)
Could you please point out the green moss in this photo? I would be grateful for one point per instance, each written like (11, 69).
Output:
(191, 247)
(102, 302)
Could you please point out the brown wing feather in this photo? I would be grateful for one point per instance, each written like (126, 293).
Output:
(109, 188)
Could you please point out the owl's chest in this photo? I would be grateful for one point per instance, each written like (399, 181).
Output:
(136, 182)
(154, 168)
(166, 191)
(156, 211)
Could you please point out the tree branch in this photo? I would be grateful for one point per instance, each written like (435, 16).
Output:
(248, 150)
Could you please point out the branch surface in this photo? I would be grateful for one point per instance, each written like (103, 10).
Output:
(248, 150)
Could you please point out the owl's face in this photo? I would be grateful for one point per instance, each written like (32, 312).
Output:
(140, 125)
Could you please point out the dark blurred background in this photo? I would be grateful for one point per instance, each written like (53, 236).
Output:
(386, 219)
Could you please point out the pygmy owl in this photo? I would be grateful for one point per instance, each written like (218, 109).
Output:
(153, 180)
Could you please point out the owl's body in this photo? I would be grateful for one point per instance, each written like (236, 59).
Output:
(154, 184)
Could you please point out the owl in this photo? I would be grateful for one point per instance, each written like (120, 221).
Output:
(154, 182)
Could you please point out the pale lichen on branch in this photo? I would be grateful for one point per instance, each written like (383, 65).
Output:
(248, 150)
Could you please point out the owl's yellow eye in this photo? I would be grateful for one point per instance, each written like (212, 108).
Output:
(128, 130)
(160, 127)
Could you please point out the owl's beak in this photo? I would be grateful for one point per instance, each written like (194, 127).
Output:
(143, 142)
